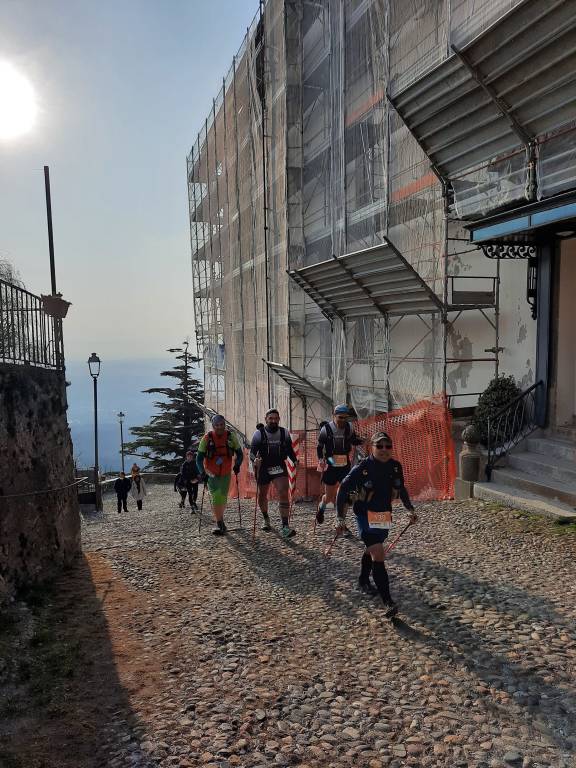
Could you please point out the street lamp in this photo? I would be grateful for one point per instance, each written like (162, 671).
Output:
(94, 368)
(121, 422)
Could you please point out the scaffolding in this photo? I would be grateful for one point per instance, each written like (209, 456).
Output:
(313, 154)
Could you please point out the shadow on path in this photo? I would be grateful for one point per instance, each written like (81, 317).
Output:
(62, 704)
(550, 704)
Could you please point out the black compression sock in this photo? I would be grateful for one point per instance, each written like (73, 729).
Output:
(284, 522)
(381, 581)
(365, 568)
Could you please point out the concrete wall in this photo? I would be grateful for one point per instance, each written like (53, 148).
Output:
(38, 533)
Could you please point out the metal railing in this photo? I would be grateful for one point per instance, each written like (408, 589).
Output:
(28, 335)
(510, 425)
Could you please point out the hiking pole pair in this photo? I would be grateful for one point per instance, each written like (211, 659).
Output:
(340, 531)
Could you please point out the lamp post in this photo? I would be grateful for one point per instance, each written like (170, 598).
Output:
(121, 422)
(94, 368)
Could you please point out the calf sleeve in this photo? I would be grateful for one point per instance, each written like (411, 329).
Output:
(381, 580)
(365, 567)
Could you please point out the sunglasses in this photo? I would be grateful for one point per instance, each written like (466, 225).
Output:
(383, 446)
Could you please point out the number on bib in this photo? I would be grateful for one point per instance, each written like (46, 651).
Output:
(381, 521)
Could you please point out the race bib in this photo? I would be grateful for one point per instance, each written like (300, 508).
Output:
(275, 470)
(340, 461)
(381, 521)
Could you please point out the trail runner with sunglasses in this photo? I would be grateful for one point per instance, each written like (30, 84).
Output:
(371, 487)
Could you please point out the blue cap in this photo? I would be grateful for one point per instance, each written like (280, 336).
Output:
(217, 419)
(342, 409)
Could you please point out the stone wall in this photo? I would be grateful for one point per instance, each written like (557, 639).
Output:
(38, 533)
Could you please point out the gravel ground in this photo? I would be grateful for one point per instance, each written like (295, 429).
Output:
(233, 653)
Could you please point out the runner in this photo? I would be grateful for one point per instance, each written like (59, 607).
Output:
(335, 441)
(371, 486)
(188, 481)
(271, 446)
(215, 454)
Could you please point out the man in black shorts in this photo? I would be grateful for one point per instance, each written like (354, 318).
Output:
(271, 446)
(335, 441)
(371, 486)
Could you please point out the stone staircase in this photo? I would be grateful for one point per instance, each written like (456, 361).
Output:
(538, 476)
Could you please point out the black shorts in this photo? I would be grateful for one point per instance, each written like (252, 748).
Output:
(334, 475)
(265, 479)
(374, 537)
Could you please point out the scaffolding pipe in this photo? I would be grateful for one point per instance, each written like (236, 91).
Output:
(269, 355)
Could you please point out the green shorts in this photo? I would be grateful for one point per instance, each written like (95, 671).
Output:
(218, 487)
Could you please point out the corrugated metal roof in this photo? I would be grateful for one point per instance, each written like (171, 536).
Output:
(510, 85)
(301, 386)
(375, 281)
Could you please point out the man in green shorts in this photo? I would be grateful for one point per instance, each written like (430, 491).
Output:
(216, 452)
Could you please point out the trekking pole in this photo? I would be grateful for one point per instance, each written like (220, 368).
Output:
(239, 507)
(397, 539)
(328, 550)
(201, 507)
(255, 507)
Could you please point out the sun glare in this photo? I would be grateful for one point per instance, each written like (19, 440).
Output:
(18, 108)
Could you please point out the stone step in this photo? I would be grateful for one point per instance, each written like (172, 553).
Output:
(541, 485)
(543, 465)
(560, 449)
(524, 500)
(567, 432)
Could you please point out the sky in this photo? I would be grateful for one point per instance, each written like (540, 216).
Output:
(123, 88)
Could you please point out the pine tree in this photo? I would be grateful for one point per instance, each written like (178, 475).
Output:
(178, 425)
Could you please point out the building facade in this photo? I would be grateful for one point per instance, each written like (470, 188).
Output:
(381, 208)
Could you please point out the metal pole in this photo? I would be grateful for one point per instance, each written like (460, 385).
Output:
(97, 494)
(50, 232)
(58, 337)
(122, 444)
(305, 441)
(264, 128)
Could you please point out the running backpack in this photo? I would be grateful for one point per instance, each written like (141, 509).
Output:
(265, 443)
(211, 447)
(329, 445)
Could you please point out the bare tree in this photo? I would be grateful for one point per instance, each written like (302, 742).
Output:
(10, 274)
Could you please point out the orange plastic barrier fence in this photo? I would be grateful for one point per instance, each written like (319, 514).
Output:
(422, 438)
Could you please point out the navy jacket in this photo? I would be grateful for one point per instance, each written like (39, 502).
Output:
(375, 483)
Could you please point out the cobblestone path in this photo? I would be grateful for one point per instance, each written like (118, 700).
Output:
(229, 653)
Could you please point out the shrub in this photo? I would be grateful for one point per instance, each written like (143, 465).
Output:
(501, 391)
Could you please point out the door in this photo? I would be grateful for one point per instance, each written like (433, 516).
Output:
(566, 341)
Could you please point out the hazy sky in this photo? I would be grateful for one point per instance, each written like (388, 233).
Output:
(123, 86)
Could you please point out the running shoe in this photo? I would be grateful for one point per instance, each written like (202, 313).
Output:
(367, 588)
(320, 513)
(390, 609)
(220, 529)
(288, 532)
(181, 505)
(266, 523)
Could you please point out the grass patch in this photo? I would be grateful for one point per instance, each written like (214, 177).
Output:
(565, 526)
